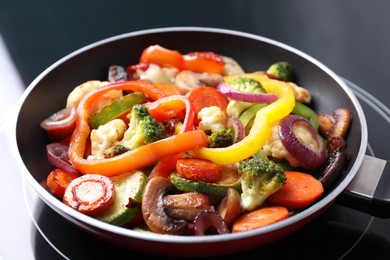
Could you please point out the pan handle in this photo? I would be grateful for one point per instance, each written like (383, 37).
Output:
(369, 190)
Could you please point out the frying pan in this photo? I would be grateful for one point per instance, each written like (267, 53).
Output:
(47, 94)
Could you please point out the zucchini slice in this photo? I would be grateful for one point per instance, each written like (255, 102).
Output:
(127, 186)
(229, 179)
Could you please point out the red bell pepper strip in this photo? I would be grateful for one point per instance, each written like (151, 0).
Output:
(165, 166)
(163, 109)
(169, 107)
(203, 62)
(195, 61)
(133, 159)
(162, 56)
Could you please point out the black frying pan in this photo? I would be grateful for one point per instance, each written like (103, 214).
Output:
(47, 94)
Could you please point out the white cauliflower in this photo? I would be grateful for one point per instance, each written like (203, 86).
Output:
(301, 94)
(212, 118)
(156, 74)
(106, 136)
(274, 148)
(231, 67)
(235, 107)
(80, 91)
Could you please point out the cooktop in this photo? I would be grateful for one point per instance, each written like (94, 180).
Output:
(29, 229)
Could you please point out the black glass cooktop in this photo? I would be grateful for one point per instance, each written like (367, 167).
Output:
(339, 233)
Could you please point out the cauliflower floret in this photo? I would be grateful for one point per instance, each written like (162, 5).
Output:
(156, 74)
(232, 67)
(274, 148)
(80, 91)
(212, 118)
(235, 107)
(105, 136)
(301, 94)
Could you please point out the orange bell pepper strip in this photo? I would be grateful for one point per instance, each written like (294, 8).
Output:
(261, 129)
(135, 158)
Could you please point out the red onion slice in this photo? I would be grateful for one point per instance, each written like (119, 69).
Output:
(232, 93)
(206, 219)
(57, 155)
(292, 129)
(239, 128)
(60, 124)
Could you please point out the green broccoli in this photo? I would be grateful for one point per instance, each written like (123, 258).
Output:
(248, 85)
(260, 177)
(281, 70)
(219, 138)
(143, 128)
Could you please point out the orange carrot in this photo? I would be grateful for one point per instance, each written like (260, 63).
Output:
(300, 191)
(259, 218)
(90, 194)
(198, 169)
(59, 179)
(204, 96)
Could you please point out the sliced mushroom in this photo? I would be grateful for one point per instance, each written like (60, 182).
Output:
(333, 167)
(230, 206)
(336, 125)
(154, 212)
(343, 120)
(326, 123)
(186, 205)
(187, 80)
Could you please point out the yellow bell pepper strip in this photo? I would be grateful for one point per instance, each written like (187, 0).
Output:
(261, 128)
(169, 107)
(133, 159)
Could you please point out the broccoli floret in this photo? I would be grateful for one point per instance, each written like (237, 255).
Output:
(143, 128)
(219, 138)
(281, 70)
(248, 85)
(260, 177)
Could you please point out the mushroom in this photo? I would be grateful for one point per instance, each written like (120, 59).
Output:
(333, 167)
(230, 206)
(186, 205)
(336, 125)
(154, 212)
(187, 80)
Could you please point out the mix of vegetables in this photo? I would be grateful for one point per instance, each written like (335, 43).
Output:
(191, 144)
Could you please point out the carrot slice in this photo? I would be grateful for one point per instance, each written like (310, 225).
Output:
(58, 179)
(300, 191)
(259, 218)
(198, 169)
(205, 96)
(90, 194)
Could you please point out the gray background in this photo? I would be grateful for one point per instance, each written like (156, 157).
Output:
(351, 37)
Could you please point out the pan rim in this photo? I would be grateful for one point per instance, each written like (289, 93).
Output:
(62, 209)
